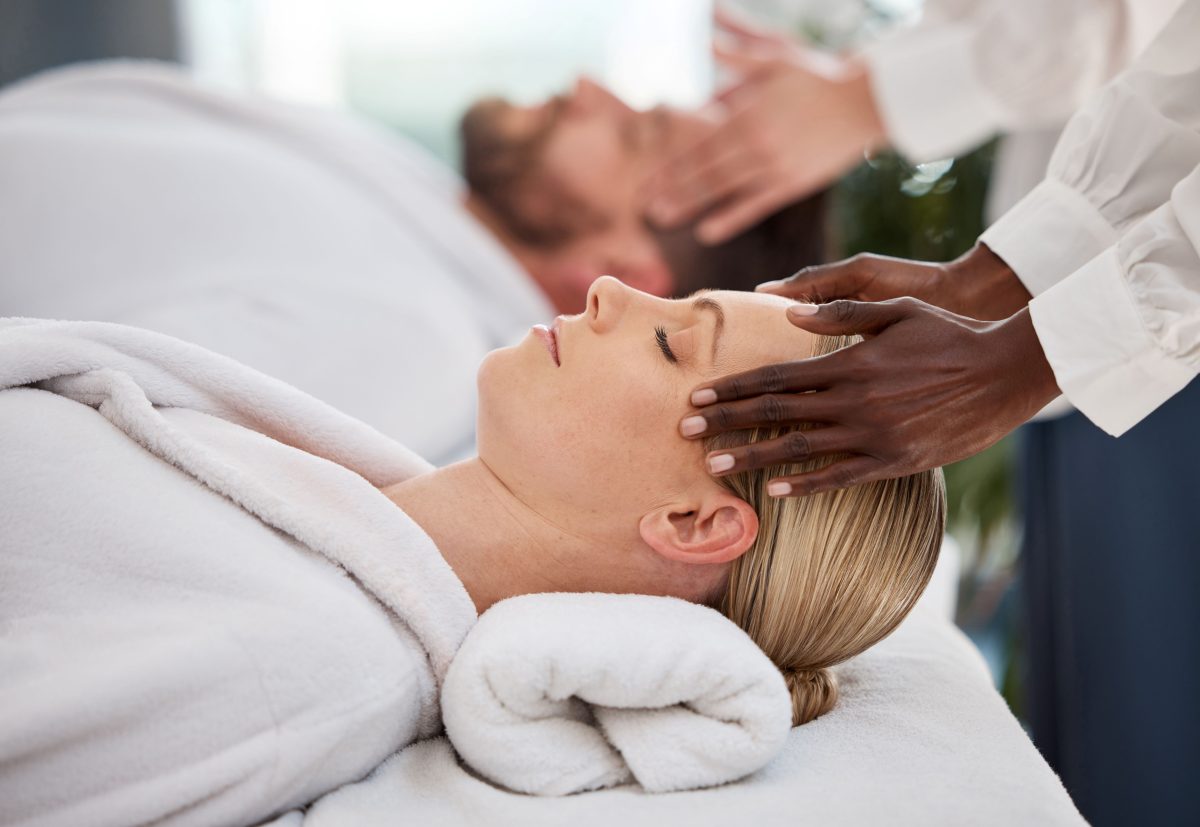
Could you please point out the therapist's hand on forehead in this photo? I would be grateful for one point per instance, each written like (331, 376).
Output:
(926, 387)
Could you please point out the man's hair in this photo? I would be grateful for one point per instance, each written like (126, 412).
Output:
(508, 177)
(779, 245)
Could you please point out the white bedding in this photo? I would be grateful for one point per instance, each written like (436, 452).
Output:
(208, 611)
(304, 243)
(918, 738)
(189, 488)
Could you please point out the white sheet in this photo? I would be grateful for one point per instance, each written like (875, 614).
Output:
(918, 738)
(208, 611)
(304, 243)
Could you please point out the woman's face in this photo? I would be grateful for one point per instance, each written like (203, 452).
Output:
(582, 423)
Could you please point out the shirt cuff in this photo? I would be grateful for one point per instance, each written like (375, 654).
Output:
(928, 92)
(1049, 234)
(1103, 358)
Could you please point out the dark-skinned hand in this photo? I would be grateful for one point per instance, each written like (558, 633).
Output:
(925, 388)
(977, 284)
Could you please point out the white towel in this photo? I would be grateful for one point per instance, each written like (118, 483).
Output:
(554, 694)
(919, 737)
(308, 244)
(208, 612)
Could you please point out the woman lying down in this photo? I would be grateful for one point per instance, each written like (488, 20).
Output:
(220, 598)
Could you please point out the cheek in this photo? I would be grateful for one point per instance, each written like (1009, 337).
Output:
(602, 442)
(612, 439)
(590, 163)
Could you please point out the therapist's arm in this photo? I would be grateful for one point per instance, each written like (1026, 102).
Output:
(978, 284)
(798, 120)
(1117, 161)
(925, 388)
(972, 68)
(1123, 332)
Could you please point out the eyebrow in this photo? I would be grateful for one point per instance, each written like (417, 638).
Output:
(703, 302)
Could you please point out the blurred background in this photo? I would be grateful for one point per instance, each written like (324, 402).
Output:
(415, 66)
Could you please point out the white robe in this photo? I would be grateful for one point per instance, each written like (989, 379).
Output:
(304, 243)
(209, 613)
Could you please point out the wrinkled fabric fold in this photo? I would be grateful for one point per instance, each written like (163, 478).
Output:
(554, 694)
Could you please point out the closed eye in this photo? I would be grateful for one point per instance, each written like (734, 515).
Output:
(660, 336)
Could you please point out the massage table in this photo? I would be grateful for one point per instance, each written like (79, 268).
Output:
(919, 737)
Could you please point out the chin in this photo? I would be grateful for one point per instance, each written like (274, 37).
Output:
(489, 380)
(502, 418)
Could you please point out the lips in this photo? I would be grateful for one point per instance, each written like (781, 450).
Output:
(549, 338)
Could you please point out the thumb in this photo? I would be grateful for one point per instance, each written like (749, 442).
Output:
(729, 22)
(840, 280)
(746, 61)
(844, 318)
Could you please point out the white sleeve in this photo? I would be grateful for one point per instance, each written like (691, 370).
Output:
(1118, 160)
(1122, 333)
(972, 68)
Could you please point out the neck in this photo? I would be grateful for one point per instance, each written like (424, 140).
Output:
(542, 265)
(497, 545)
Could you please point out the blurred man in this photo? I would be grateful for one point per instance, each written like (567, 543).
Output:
(560, 184)
(326, 252)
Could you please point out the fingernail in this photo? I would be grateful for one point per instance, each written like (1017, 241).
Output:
(802, 309)
(692, 425)
(704, 396)
(769, 285)
(779, 489)
(719, 463)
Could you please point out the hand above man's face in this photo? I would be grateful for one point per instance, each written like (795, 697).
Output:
(796, 121)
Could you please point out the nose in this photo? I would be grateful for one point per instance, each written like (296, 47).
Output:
(589, 96)
(606, 301)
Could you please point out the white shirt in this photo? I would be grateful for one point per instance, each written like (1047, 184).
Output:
(1108, 243)
(972, 68)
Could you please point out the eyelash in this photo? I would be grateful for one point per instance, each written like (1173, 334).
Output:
(660, 336)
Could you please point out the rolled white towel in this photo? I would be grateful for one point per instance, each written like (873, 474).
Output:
(553, 694)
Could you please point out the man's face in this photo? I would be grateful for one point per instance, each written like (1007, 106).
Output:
(569, 170)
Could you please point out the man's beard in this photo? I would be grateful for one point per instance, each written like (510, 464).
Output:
(508, 175)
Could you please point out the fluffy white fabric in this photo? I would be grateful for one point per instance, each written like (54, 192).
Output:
(209, 611)
(919, 737)
(305, 243)
(554, 694)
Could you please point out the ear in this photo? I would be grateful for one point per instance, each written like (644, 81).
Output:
(715, 528)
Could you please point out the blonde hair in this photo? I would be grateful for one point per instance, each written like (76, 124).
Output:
(829, 574)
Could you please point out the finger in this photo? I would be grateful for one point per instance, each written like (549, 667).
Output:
(742, 213)
(734, 92)
(766, 411)
(794, 446)
(745, 60)
(855, 470)
(813, 374)
(821, 283)
(668, 187)
(701, 188)
(731, 23)
(844, 317)
(662, 176)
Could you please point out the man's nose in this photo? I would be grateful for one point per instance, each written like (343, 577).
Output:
(590, 96)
